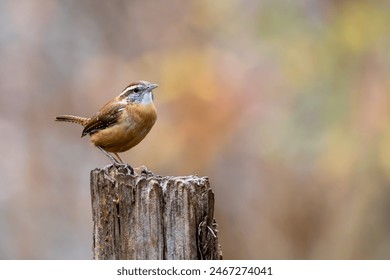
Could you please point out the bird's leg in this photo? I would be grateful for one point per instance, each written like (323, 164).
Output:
(117, 162)
(118, 157)
(114, 160)
(126, 164)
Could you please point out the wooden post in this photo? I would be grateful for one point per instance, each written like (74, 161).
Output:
(143, 217)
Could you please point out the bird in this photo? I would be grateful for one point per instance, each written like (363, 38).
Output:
(121, 123)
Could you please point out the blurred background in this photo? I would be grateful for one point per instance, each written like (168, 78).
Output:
(284, 105)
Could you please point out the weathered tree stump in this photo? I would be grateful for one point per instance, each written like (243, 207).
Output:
(147, 216)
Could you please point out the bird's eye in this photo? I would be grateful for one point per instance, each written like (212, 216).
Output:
(136, 90)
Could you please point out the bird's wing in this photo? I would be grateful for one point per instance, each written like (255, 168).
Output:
(106, 117)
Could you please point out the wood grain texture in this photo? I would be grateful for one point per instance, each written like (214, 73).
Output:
(147, 216)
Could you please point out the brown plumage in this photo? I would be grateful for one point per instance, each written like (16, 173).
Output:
(123, 122)
(73, 119)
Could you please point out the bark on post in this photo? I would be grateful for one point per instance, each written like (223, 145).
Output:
(147, 216)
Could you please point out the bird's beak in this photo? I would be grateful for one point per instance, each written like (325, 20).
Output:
(152, 86)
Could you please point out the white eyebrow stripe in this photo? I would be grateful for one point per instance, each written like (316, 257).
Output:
(130, 88)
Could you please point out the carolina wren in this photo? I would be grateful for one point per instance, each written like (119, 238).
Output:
(122, 123)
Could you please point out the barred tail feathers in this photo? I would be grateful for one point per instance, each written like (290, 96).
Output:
(72, 119)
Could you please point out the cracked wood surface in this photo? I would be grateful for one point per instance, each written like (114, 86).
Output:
(146, 216)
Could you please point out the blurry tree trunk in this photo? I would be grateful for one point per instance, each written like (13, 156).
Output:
(152, 217)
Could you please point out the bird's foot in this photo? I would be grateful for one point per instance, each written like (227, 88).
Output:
(123, 166)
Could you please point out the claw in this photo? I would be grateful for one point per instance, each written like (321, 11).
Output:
(124, 166)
